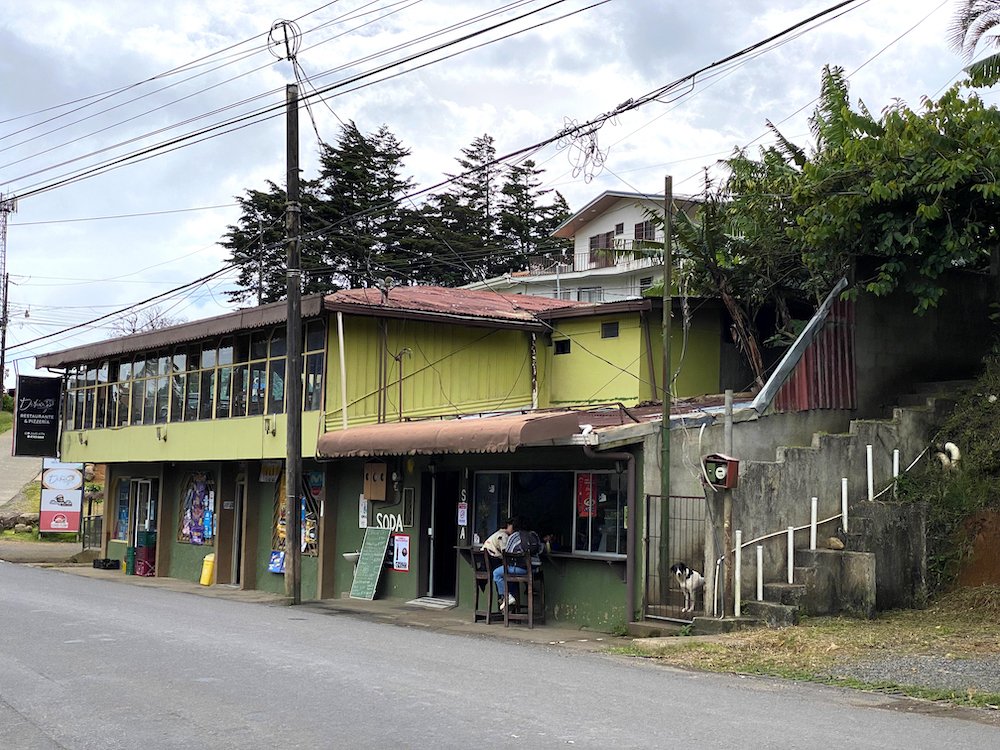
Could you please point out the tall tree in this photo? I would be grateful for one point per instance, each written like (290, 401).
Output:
(526, 222)
(256, 245)
(360, 183)
(969, 26)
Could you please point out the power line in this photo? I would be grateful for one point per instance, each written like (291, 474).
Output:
(123, 216)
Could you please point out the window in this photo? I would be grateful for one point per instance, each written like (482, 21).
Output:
(583, 511)
(600, 513)
(599, 245)
(561, 346)
(645, 230)
(609, 330)
(228, 376)
(620, 228)
(645, 283)
(592, 294)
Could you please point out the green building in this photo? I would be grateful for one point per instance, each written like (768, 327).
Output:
(460, 407)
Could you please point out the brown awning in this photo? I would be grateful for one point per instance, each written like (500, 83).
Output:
(501, 434)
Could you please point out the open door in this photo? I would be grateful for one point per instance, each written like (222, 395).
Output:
(441, 505)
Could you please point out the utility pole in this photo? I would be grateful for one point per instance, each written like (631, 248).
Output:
(667, 304)
(293, 361)
(7, 206)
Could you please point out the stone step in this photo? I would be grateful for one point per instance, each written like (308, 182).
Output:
(715, 626)
(787, 594)
(654, 629)
(773, 614)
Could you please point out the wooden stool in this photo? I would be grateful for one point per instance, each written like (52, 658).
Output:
(534, 592)
(483, 576)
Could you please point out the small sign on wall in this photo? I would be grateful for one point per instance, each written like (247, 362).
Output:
(463, 514)
(362, 511)
(401, 553)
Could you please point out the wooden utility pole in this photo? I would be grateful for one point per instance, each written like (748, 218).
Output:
(729, 600)
(667, 304)
(3, 331)
(293, 361)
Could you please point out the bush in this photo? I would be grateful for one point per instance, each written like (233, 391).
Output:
(8, 403)
(954, 496)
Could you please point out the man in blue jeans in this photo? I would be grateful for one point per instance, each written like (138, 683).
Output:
(517, 542)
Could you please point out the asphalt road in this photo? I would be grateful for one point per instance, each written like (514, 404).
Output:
(97, 664)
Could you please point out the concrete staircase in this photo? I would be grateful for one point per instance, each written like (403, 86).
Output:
(828, 581)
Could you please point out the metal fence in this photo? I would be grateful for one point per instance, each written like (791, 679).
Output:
(675, 532)
(90, 531)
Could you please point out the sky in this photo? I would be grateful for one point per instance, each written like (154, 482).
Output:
(88, 81)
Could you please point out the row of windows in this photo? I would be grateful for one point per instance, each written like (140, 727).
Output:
(644, 230)
(229, 376)
(583, 511)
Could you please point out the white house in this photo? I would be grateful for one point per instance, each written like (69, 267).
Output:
(613, 221)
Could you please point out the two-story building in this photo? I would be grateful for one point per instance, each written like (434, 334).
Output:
(611, 260)
(468, 398)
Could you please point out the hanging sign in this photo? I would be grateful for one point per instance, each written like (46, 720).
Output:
(585, 496)
(36, 416)
(463, 514)
(61, 501)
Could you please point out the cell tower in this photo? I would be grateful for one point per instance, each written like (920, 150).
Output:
(8, 205)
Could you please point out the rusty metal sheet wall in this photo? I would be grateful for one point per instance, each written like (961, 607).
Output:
(825, 377)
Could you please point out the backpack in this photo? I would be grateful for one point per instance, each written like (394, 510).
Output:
(524, 542)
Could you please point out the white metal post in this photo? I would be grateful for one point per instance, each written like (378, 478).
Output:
(813, 516)
(791, 554)
(871, 474)
(760, 572)
(895, 469)
(738, 575)
(843, 503)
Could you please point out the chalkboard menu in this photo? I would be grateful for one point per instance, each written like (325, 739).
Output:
(369, 567)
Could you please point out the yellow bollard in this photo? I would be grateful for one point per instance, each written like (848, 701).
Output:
(207, 569)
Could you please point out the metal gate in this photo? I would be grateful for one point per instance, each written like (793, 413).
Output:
(675, 532)
(90, 531)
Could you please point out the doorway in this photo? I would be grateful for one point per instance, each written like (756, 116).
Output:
(443, 533)
(239, 510)
(143, 507)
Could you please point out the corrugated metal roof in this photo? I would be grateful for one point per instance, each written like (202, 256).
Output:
(498, 434)
(435, 302)
(252, 317)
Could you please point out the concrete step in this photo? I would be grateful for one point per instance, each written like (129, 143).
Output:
(944, 386)
(774, 615)
(787, 594)
(654, 629)
(715, 626)
(803, 574)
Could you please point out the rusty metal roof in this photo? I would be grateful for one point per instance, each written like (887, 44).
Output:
(472, 307)
(496, 434)
(241, 320)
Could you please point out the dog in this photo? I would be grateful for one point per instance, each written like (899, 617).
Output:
(691, 582)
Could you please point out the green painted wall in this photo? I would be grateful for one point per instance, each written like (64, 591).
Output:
(345, 480)
(600, 371)
(207, 440)
(449, 368)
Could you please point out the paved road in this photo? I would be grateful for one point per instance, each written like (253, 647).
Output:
(14, 472)
(97, 664)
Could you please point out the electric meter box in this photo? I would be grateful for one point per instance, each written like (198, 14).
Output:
(722, 471)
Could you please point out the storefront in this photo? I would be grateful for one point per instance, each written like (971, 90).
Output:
(449, 485)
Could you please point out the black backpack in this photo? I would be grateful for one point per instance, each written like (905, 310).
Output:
(524, 542)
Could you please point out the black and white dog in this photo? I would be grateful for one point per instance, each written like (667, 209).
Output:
(691, 582)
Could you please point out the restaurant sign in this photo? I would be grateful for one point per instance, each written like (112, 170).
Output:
(36, 416)
(62, 497)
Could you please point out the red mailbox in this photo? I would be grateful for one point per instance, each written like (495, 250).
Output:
(722, 471)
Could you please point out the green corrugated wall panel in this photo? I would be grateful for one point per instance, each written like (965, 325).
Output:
(449, 369)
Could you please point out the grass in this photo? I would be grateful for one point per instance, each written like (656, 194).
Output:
(6, 421)
(961, 625)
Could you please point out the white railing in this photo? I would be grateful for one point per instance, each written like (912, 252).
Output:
(789, 533)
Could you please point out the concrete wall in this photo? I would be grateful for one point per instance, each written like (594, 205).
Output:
(896, 348)
(897, 535)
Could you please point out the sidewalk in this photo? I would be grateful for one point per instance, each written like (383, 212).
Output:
(456, 621)
(15, 472)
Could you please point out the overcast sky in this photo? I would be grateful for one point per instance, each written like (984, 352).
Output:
(59, 54)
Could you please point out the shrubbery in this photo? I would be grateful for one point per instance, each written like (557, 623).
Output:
(954, 496)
